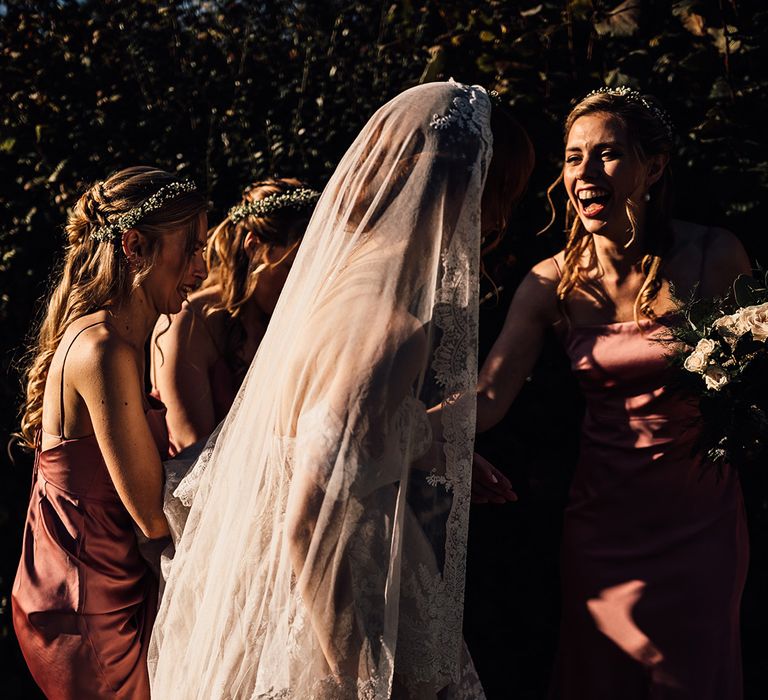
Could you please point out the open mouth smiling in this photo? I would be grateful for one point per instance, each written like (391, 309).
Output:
(593, 200)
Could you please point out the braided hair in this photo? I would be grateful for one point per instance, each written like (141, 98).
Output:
(94, 274)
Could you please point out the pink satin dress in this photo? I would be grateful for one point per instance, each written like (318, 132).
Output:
(655, 546)
(84, 599)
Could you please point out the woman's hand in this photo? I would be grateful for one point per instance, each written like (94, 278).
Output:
(489, 485)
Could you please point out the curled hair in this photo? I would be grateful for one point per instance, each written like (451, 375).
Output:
(95, 274)
(230, 267)
(648, 136)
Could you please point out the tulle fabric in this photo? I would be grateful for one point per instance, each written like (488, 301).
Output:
(324, 529)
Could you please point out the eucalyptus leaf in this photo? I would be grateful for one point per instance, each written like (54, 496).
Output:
(746, 291)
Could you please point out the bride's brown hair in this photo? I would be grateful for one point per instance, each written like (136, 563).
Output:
(508, 172)
(95, 274)
(648, 135)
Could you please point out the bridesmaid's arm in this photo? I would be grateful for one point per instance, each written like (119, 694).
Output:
(533, 310)
(110, 384)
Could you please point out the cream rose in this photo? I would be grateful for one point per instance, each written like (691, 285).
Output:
(715, 377)
(756, 320)
(706, 347)
(696, 362)
(732, 326)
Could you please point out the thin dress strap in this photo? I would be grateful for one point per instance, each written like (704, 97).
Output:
(557, 266)
(61, 382)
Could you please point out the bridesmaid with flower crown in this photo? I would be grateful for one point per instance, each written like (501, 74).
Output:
(655, 549)
(200, 356)
(83, 599)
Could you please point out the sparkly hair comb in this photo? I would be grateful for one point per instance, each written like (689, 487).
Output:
(635, 96)
(297, 199)
(129, 219)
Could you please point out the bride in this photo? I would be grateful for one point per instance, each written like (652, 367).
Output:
(324, 550)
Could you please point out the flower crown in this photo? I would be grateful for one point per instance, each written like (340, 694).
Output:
(635, 96)
(298, 199)
(129, 219)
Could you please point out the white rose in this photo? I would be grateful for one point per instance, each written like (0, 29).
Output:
(756, 319)
(716, 377)
(706, 347)
(696, 362)
(732, 326)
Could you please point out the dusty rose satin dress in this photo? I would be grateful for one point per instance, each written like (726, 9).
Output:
(84, 599)
(655, 549)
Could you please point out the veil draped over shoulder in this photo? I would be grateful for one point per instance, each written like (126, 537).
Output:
(324, 551)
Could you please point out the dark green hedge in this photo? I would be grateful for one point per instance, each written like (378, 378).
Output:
(230, 91)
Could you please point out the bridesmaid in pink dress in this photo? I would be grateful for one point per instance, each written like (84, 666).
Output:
(655, 547)
(84, 599)
(200, 356)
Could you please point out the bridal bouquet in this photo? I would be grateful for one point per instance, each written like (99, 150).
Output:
(722, 352)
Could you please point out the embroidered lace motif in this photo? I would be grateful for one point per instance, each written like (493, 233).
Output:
(469, 113)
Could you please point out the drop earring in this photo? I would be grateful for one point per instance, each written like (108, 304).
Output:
(647, 197)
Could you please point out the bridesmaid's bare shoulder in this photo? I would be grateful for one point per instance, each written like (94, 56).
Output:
(549, 269)
(537, 294)
(196, 331)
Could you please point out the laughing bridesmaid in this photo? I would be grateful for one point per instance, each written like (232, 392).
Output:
(655, 548)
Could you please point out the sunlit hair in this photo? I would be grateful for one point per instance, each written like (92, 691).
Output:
(647, 136)
(96, 274)
(230, 267)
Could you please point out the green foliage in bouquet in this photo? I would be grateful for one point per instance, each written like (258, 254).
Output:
(721, 353)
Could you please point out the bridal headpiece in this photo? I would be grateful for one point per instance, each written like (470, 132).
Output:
(469, 112)
(296, 199)
(635, 96)
(129, 219)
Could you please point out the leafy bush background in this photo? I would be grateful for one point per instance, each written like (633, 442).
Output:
(228, 92)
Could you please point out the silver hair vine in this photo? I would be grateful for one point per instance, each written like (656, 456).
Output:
(296, 199)
(637, 97)
(129, 219)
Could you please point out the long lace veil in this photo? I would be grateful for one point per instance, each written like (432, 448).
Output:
(324, 551)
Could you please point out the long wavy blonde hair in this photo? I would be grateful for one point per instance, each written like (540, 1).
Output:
(234, 270)
(95, 274)
(648, 136)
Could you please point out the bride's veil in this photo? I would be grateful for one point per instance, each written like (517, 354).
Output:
(324, 552)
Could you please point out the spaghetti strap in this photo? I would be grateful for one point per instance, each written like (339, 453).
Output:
(557, 266)
(61, 381)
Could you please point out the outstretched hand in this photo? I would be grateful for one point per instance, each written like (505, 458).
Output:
(489, 485)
